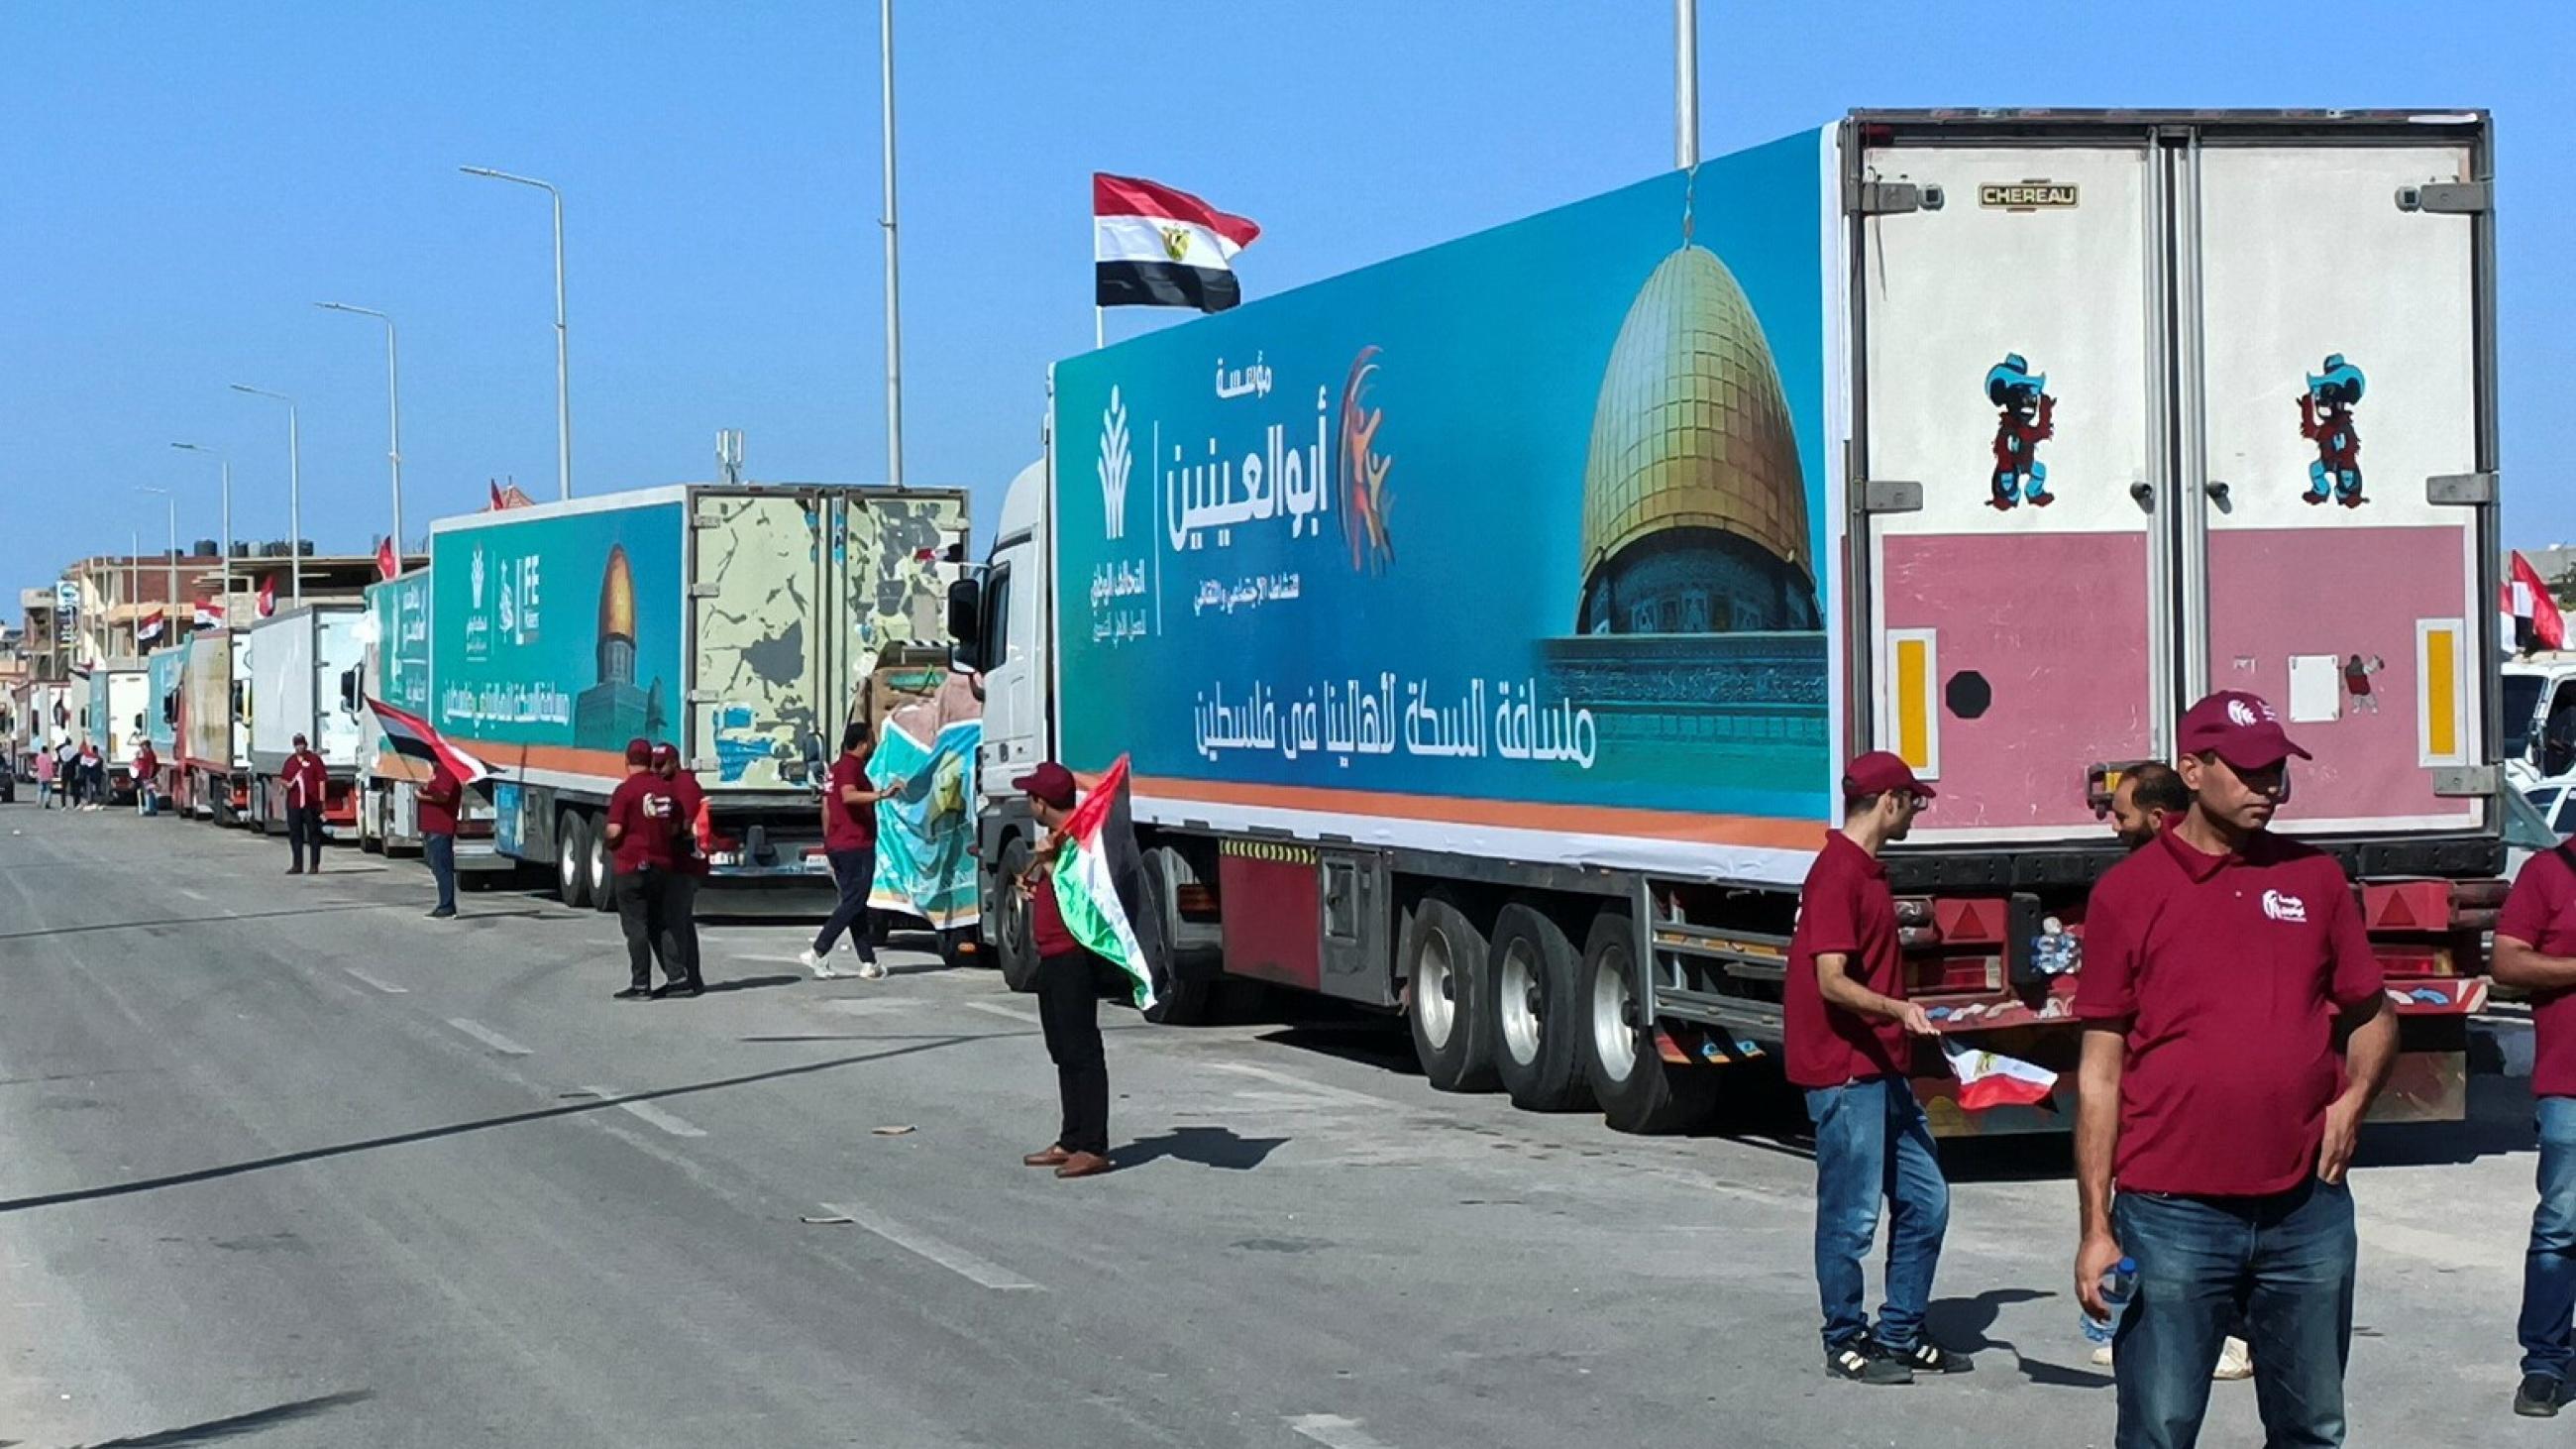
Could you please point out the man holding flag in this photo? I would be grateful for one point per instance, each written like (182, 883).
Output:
(1086, 941)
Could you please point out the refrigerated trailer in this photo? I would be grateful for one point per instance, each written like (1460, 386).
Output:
(395, 669)
(1487, 628)
(303, 661)
(211, 766)
(116, 717)
(737, 622)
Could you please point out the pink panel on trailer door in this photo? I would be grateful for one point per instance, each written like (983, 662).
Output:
(2341, 591)
(2055, 624)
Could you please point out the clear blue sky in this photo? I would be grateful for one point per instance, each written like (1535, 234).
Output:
(180, 183)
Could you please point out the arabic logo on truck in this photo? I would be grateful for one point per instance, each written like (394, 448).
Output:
(1116, 461)
(1365, 498)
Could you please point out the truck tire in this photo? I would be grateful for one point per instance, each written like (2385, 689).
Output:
(603, 873)
(1178, 1000)
(1443, 955)
(1534, 1030)
(1014, 949)
(572, 860)
(1637, 1089)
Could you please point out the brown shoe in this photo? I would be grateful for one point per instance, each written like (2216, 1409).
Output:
(1052, 1157)
(1083, 1164)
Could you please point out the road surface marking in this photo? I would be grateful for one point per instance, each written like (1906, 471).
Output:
(996, 1008)
(384, 986)
(1334, 1432)
(488, 1036)
(192, 895)
(955, 1259)
(1317, 1089)
(677, 1127)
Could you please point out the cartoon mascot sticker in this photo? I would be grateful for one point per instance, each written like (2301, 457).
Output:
(2325, 418)
(2028, 419)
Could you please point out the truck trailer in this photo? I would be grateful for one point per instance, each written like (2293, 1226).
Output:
(163, 668)
(739, 622)
(304, 660)
(395, 669)
(116, 718)
(1487, 628)
(211, 769)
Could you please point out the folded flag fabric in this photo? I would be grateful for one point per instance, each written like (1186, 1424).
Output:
(411, 737)
(1098, 852)
(1988, 1079)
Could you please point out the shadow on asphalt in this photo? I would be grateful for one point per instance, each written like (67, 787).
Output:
(1965, 1325)
(1206, 1146)
(751, 983)
(256, 1422)
(459, 1129)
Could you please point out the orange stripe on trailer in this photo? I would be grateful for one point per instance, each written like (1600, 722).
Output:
(1743, 830)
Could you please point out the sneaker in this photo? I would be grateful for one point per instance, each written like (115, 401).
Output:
(1854, 1362)
(2235, 1361)
(2538, 1397)
(443, 913)
(1925, 1357)
(872, 969)
(633, 993)
(822, 969)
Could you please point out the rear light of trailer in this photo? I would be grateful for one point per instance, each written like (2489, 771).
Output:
(1952, 975)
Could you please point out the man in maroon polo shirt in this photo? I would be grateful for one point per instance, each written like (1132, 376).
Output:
(643, 831)
(1850, 1044)
(2222, 966)
(1070, 983)
(2535, 949)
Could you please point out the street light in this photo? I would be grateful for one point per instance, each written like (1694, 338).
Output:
(170, 563)
(393, 400)
(228, 521)
(294, 488)
(563, 366)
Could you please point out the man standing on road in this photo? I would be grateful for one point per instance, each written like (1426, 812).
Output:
(1850, 1044)
(305, 783)
(2535, 949)
(850, 844)
(147, 780)
(435, 803)
(67, 773)
(642, 817)
(689, 866)
(1070, 981)
(2222, 965)
(93, 774)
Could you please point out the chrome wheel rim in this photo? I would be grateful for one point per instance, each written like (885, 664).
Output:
(1614, 1041)
(1517, 1001)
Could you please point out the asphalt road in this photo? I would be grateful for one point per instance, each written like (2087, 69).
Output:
(283, 1163)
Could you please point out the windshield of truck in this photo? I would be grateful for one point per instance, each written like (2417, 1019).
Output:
(2521, 702)
(2525, 826)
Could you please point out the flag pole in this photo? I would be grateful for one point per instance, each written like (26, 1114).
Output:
(1097, 341)
(893, 291)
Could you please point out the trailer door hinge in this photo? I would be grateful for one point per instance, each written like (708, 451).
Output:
(2448, 198)
(2461, 490)
(1889, 198)
(2459, 782)
(705, 591)
(1888, 495)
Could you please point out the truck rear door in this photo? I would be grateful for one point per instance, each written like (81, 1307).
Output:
(758, 672)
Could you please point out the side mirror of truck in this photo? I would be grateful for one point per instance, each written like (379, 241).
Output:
(966, 611)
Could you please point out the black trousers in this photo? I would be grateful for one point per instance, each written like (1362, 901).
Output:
(643, 898)
(1069, 1010)
(680, 927)
(304, 833)
(853, 871)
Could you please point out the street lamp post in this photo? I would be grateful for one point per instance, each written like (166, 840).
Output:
(1685, 84)
(393, 404)
(169, 563)
(228, 523)
(294, 490)
(563, 364)
(893, 288)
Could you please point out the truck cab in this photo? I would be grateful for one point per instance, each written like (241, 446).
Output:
(2539, 717)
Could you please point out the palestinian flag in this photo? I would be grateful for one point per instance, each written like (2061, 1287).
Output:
(1099, 879)
(1987, 1079)
(1157, 247)
(411, 736)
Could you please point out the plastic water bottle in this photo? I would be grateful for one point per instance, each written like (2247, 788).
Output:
(2118, 1286)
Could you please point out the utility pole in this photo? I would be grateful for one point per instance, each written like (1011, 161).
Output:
(1685, 84)
(893, 289)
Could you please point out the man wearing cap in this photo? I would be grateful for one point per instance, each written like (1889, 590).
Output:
(643, 819)
(1069, 990)
(1850, 1030)
(2535, 949)
(2222, 965)
(435, 805)
(689, 866)
(305, 781)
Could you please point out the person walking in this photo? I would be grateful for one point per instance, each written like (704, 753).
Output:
(1071, 981)
(689, 866)
(45, 780)
(642, 814)
(1850, 1032)
(147, 780)
(850, 846)
(2535, 950)
(305, 782)
(2221, 965)
(435, 805)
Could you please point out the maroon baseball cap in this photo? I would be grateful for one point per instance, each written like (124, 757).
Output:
(665, 754)
(1880, 771)
(2239, 728)
(639, 751)
(1050, 782)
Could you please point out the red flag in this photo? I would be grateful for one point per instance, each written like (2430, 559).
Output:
(388, 563)
(497, 504)
(268, 596)
(2527, 600)
(413, 738)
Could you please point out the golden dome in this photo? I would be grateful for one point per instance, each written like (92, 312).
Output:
(617, 597)
(1692, 430)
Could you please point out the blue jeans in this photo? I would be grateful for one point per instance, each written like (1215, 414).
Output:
(441, 853)
(2549, 1264)
(2287, 1260)
(1872, 1143)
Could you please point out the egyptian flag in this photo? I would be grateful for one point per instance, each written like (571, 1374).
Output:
(210, 615)
(1157, 247)
(151, 627)
(388, 563)
(2533, 612)
(1989, 1079)
(268, 596)
(411, 737)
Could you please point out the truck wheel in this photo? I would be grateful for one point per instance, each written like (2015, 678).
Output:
(1017, 950)
(572, 860)
(1637, 1089)
(1443, 955)
(603, 876)
(1178, 1000)
(1534, 1025)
